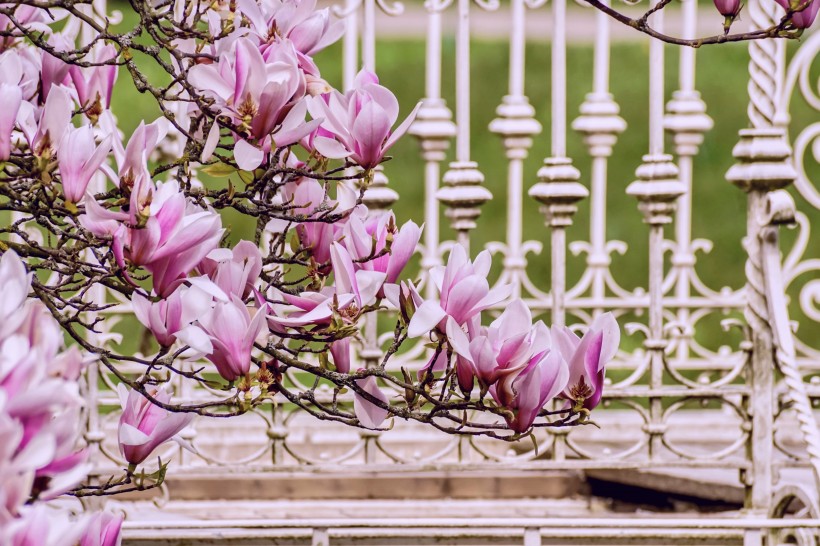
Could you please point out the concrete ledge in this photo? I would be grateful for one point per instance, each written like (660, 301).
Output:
(727, 530)
(356, 484)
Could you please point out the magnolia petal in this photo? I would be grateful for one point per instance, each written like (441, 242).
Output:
(607, 324)
(340, 351)
(129, 435)
(286, 137)
(331, 149)
(392, 292)
(209, 287)
(369, 414)
(210, 142)
(425, 319)
(401, 129)
(402, 249)
(458, 339)
(195, 338)
(207, 78)
(247, 156)
(369, 284)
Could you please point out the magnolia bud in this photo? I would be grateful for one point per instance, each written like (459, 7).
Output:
(805, 11)
(728, 8)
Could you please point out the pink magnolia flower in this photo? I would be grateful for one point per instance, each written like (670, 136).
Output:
(163, 318)
(728, 8)
(313, 33)
(11, 96)
(176, 236)
(158, 238)
(134, 179)
(23, 67)
(68, 465)
(42, 525)
(362, 284)
(806, 16)
(196, 234)
(307, 308)
(53, 70)
(168, 316)
(361, 120)
(104, 529)
(144, 426)
(79, 160)
(16, 479)
(308, 200)
(95, 84)
(260, 94)
(44, 129)
(525, 393)
(39, 397)
(226, 334)
(587, 358)
(340, 351)
(364, 238)
(24, 14)
(369, 414)
(309, 29)
(234, 271)
(352, 291)
(502, 349)
(463, 293)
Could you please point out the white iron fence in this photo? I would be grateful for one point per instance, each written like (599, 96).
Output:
(743, 406)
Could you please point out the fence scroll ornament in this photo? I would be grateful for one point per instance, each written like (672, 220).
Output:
(103, 228)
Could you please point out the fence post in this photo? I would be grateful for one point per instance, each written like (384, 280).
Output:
(762, 166)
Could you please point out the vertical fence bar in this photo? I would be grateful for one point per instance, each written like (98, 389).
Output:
(434, 128)
(763, 165)
(558, 189)
(463, 193)
(656, 98)
(687, 121)
(463, 82)
(767, 58)
(656, 189)
(765, 70)
(516, 124)
(378, 195)
(350, 50)
(369, 35)
(600, 124)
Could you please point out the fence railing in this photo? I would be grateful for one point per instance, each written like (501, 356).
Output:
(668, 391)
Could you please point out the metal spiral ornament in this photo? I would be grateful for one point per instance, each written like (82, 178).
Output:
(780, 204)
(802, 408)
(764, 67)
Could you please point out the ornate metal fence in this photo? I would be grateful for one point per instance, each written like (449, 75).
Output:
(744, 406)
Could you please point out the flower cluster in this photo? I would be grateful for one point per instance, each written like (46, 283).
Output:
(265, 83)
(249, 127)
(40, 94)
(39, 422)
(520, 364)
